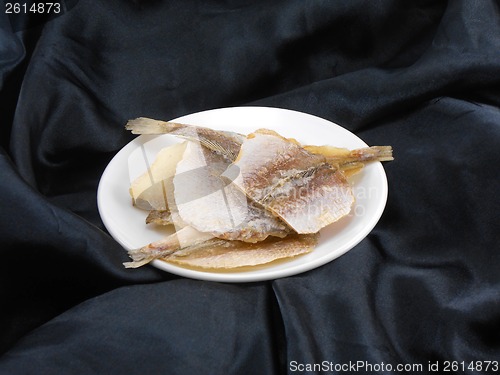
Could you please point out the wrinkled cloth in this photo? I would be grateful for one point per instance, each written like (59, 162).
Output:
(422, 288)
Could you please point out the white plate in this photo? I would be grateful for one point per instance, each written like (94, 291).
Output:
(126, 223)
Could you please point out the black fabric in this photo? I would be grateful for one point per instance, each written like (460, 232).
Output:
(423, 288)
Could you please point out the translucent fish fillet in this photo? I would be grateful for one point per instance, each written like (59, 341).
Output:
(202, 199)
(220, 254)
(188, 247)
(209, 203)
(228, 144)
(296, 185)
(148, 191)
(306, 188)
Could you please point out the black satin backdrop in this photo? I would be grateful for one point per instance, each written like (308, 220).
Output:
(424, 286)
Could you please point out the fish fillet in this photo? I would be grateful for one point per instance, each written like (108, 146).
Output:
(188, 247)
(209, 203)
(149, 189)
(228, 143)
(219, 254)
(243, 201)
(296, 185)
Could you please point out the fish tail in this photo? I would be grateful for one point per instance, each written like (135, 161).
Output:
(354, 162)
(155, 250)
(144, 125)
(373, 153)
(145, 255)
(182, 239)
(137, 262)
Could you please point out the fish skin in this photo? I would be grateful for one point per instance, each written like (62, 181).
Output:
(299, 187)
(311, 203)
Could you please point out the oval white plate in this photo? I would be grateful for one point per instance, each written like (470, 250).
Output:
(126, 223)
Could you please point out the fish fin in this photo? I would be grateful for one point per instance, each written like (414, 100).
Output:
(138, 263)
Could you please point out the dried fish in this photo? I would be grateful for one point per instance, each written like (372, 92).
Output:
(189, 247)
(182, 238)
(298, 186)
(217, 254)
(351, 162)
(240, 200)
(220, 254)
(217, 206)
(222, 142)
(228, 143)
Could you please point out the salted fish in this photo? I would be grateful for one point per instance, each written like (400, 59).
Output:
(217, 254)
(315, 173)
(224, 143)
(351, 162)
(194, 249)
(296, 185)
(204, 200)
(228, 143)
(209, 203)
(321, 166)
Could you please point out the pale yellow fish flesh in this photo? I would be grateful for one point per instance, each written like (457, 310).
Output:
(217, 254)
